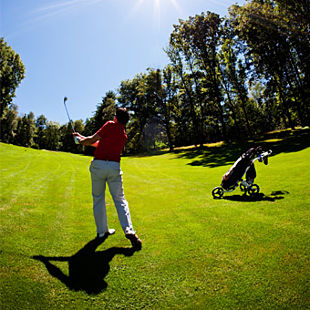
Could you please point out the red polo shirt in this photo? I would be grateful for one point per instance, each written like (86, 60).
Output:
(113, 139)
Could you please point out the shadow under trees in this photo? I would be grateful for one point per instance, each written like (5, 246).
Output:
(227, 153)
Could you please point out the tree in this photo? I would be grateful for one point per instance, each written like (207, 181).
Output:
(187, 118)
(168, 107)
(40, 138)
(12, 71)
(52, 136)
(158, 89)
(295, 17)
(234, 78)
(133, 95)
(277, 38)
(105, 110)
(193, 52)
(8, 124)
(25, 130)
(67, 143)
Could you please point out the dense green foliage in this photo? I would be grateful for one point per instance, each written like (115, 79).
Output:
(198, 253)
(12, 72)
(228, 78)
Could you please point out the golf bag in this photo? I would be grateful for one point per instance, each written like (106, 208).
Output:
(243, 166)
(235, 173)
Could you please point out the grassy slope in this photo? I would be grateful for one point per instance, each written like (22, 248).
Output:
(197, 252)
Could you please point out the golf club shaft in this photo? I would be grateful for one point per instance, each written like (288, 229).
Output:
(76, 139)
(70, 121)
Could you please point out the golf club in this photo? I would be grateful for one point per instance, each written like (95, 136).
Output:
(76, 139)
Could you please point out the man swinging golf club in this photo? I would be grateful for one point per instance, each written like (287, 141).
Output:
(109, 141)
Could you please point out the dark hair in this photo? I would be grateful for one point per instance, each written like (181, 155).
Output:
(122, 115)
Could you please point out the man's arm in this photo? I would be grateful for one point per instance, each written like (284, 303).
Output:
(88, 141)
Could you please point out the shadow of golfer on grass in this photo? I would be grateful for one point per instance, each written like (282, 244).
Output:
(87, 268)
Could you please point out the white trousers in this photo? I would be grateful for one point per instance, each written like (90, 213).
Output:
(109, 172)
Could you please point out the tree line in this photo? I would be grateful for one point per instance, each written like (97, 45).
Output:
(227, 78)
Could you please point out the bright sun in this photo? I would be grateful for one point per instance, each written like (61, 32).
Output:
(158, 6)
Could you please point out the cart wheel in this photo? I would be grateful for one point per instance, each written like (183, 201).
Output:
(242, 187)
(217, 192)
(253, 190)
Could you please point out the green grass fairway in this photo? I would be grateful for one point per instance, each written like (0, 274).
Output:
(198, 253)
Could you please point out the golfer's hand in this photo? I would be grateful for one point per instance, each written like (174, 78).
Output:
(77, 137)
(89, 141)
(76, 134)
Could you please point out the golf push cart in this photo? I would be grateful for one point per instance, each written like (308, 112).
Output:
(243, 166)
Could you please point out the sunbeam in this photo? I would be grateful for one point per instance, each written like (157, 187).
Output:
(61, 7)
(157, 7)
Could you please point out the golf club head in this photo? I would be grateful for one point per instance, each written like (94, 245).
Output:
(65, 99)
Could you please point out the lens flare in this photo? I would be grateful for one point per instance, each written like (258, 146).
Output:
(158, 6)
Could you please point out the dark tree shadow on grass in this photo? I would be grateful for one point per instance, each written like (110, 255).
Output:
(229, 152)
(87, 268)
(277, 195)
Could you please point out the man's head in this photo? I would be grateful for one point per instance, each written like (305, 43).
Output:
(122, 115)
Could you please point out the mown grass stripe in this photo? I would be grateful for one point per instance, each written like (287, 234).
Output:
(198, 253)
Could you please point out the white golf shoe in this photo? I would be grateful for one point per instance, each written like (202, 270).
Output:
(107, 233)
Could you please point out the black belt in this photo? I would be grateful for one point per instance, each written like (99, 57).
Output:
(105, 160)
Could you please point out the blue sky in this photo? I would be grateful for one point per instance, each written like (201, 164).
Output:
(83, 48)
